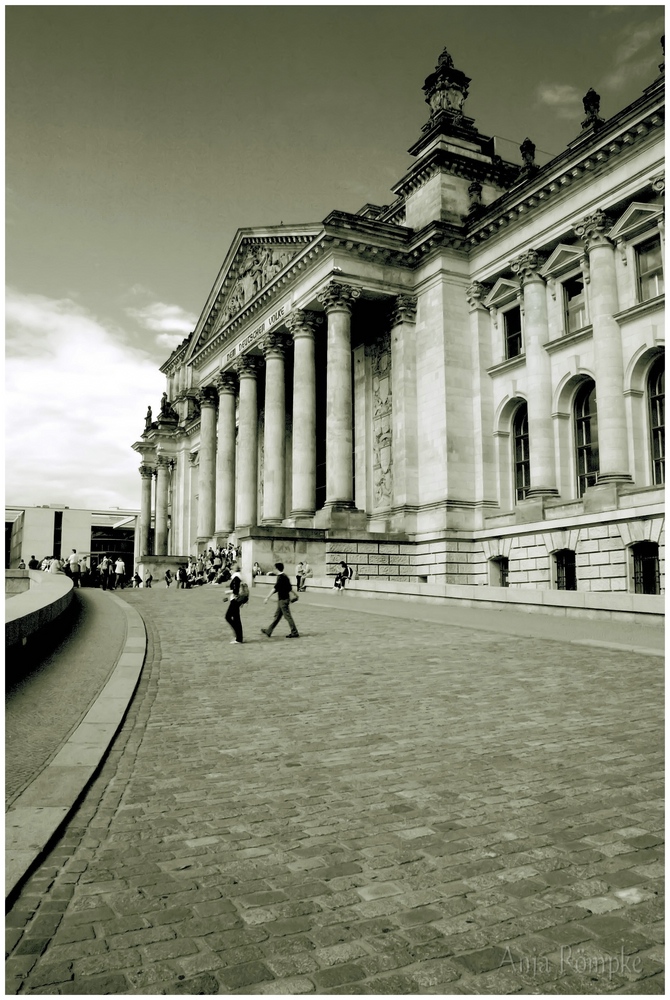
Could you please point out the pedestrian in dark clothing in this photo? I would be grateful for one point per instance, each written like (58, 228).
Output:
(235, 601)
(282, 588)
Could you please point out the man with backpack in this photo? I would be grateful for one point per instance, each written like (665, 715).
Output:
(239, 595)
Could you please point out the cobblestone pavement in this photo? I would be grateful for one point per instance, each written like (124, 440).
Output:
(385, 806)
(42, 709)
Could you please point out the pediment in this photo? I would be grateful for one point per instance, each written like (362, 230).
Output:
(565, 256)
(257, 257)
(636, 217)
(503, 291)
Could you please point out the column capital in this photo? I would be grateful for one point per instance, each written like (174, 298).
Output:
(226, 382)
(527, 265)
(273, 345)
(163, 462)
(403, 309)
(247, 366)
(593, 228)
(476, 293)
(302, 323)
(146, 471)
(336, 296)
(207, 396)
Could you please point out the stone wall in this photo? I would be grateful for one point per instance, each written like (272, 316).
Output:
(372, 560)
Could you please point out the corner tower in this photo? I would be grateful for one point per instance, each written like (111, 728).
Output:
(457, 173)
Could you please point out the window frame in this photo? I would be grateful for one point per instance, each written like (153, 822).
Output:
(641, 553)
(637, 246)
(504, 313)
(656, 402)
(587, 475)
(502, 568)
(565, 313)
(565, 573)
(520, 464)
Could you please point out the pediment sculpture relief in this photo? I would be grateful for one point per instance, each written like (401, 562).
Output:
(259, 265)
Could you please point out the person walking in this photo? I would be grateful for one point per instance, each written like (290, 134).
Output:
(103, 569)
(168, 578)
(239, 595)
(282, 588)
(119, 573)
(73, 561)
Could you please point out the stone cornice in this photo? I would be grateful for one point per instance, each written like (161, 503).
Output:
(479, 168)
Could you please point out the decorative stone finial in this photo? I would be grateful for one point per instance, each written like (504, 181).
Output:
(591, 102)
(446, 89)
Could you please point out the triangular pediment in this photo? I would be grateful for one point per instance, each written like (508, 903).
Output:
(503, 291)
(636, 217)
(565, 256)
(256, 259)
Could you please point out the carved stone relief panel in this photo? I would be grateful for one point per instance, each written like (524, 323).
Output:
(259, 264)
(379, 353)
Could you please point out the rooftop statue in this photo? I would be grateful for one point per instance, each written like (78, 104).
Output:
(147, 419)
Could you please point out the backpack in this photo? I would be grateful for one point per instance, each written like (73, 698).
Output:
(243, 593)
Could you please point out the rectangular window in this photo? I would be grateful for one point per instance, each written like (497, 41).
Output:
(574, 304)
(566, 571)
(649, 269)
(512, 321)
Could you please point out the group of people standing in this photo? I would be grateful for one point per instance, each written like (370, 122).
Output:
(109, 573)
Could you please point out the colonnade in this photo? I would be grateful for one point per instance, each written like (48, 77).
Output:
(228, 474)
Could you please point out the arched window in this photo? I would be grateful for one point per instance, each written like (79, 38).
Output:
(656, 397)
(646, 570)
(586, 436)
(566, 571)
(521, 452)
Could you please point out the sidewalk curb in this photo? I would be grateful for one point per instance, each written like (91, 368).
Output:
(38, 814)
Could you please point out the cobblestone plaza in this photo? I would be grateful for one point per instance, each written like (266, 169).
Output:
(402, 802)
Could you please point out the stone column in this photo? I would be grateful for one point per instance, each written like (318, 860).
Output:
(607, 350)
(338, 302)
(538, 375)
(274, 475)
(483, 441)
(146, 472)
(303, 499)
(225, 454)
(162, 479)
(207, 479)
(247, 454)
(404, 413)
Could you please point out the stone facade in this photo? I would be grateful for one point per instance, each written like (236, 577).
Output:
(463, 387)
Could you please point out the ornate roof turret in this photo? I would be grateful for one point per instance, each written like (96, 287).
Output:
(446, 89)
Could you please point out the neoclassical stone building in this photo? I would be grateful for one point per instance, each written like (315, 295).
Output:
(464, 387)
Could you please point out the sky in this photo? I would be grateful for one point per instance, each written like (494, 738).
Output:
(139, 139)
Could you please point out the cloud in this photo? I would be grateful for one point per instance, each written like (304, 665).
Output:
(636, 56)
(562, 98)
(164, 318)
(76, 395)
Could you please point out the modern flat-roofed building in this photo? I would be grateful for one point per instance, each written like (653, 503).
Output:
(54, 530)
(462, 387)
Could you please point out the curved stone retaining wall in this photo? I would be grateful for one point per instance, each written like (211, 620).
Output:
(31, 615)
